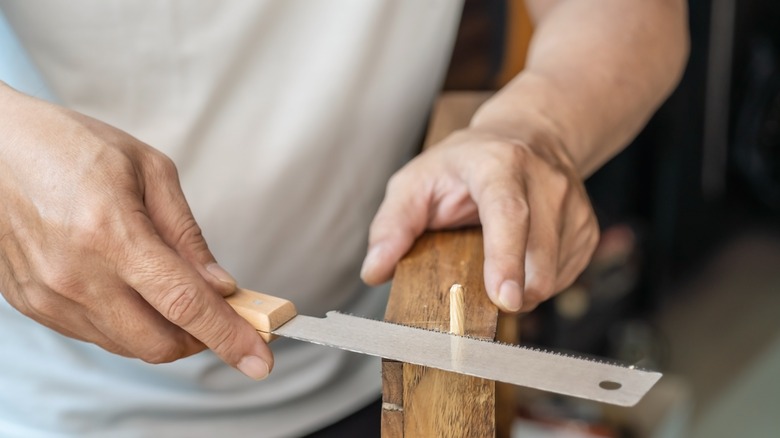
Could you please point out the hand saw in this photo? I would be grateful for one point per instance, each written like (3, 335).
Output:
(534, 368)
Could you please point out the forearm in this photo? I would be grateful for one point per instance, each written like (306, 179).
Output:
(595, 73)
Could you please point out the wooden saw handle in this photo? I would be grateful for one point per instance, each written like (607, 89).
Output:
(265, 312)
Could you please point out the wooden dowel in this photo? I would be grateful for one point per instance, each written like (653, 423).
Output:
(457, 313)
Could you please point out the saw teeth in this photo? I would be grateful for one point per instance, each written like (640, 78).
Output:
(599, 360)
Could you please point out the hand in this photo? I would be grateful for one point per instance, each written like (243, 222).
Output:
(538, 225)
(98, 243)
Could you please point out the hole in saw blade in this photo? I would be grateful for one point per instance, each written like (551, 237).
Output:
(609, 385)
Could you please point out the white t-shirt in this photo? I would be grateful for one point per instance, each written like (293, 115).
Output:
(285, 119)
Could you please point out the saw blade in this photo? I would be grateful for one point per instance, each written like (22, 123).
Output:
(533, 368)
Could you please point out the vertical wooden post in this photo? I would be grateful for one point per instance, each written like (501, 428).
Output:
(425, 402)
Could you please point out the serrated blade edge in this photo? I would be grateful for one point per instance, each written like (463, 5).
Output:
(562, 374)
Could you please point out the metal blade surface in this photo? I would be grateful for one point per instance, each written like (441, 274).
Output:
(554, 372)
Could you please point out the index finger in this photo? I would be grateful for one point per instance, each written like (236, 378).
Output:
(175, 289)
(504, 213)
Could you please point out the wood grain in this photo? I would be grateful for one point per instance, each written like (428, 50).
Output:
(435, 403)
(438, 403)
(420, 291)
(392, 399)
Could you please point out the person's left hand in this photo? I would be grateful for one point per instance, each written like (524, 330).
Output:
(538, 225)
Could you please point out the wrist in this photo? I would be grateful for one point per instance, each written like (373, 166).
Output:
(527, 127)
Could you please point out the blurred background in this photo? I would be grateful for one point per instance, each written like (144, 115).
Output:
(687, 276)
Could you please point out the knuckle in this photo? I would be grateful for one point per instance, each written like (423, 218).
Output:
(163, 165)
(511, 206)
(96, 231)
(588, 236)
(182, 304)
(399, 181)
(111, 346)
(38, 303)
(502, 157)
(190, 233)
(62, 275)
(395, 180)
(516, 154)
(559, 184)
(85, 228)
(162, 351)
(593, 239)
(504, 187)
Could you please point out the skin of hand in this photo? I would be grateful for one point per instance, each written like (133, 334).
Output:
(98, 243)
(593, 78)
(537, 221)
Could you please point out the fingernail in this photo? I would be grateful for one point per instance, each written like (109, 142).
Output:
(253, 367)
(220, 273)
(510, 296)
(372, 259)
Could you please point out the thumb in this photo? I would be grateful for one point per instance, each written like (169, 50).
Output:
(401, 218)
(160, 263)
(172, 218)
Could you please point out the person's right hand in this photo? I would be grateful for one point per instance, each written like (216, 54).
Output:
(98, 243)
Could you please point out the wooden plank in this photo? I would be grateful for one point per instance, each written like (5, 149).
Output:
(434, 403)
(439, 403)
(420, 290)
(392, 399)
